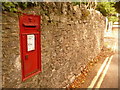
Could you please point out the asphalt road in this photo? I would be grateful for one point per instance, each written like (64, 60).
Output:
(111, 78)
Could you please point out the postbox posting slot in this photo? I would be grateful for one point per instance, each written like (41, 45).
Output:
(29, 25)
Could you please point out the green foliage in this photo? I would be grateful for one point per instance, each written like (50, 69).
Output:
(113, 18)
(117, 6)
(9, 6)
(78, 3)
(23, 5)
(108, 9)
(13, 6)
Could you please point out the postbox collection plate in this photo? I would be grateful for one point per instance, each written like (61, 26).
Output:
(30, 42)
(30, 45)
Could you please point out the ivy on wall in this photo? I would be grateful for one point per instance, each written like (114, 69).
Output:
(13, 6)
(108, 9)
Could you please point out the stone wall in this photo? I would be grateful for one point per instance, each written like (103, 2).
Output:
(71, 36)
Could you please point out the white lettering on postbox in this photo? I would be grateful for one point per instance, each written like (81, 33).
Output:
(30, 42)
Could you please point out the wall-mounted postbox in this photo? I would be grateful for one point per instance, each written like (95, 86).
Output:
(30, 46)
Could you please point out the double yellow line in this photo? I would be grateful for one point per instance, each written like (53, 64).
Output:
(98, 79)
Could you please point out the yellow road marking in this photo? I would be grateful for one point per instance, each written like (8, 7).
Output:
(98, 74)
(104, 73)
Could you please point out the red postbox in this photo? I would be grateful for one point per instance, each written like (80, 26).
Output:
(30, 46)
